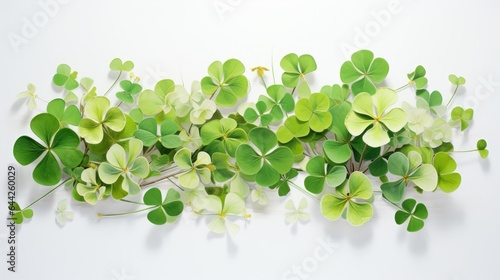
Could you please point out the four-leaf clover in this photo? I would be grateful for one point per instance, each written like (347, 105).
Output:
(315, 111)
(233, 205)
(223, 136)
(416, 212)
(296, 67)
(363, 72)
(147, 132)
(200, 167)
(65, 78)
(319, 174)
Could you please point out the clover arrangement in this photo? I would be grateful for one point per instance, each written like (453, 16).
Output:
(203, 149)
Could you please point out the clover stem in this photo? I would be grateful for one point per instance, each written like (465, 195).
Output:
(133, 202)
(263, 82)
(114, 83)
(454, 92)
(149, 150)
(46, 194)
(392, 203)
(293, 90)
(41, 99)
(125, 213)
(302, 190)
(175, 172)
(402, 87)
(177, 185)
(465, 151)
(361, 158)
(272, 67)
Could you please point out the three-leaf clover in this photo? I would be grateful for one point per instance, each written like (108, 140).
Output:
(314, 110)
(251, 115)
(292, 128)
(279, 101)
(364, 72)
(283, 184)
(202, 112)
(259, 195)
(153, 102)
(416, 212)
(233, 205)
(31, 95)
(410, 169)
(118, 65)
(351, 196)
(226, 81)
(66, 115)
(445, 165)
(296, 213)
(130, 89)
(147, 132)
(461, 117)
(100, 117)
(164, 210)
(372, 110)
(62, 143)
(62, 213)
(296, 67)
(121, 164)
(223, 136)
(18, 215)
(417, 77)
(481, 148)
(92, 190)
(319, 174)
(266, 164)
(65, 78)
(200, 167)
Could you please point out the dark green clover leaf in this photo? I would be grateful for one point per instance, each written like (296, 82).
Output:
(129, 91)
(461, 117)
(62, 143)
(19, 214)
(278, 101)
(147, 132)
(167, 210)
(221, 167)
(319, 174)
(296, 67)
(418, 78)
(364, 72)
(448, 181)
(339, 150)
(226, 81)
(66, 115)
(251, 115)
(481, 148)
(223, 136)
(268, 162)
(283, 185)
(65, 78)
(416, 212)
(118, 65)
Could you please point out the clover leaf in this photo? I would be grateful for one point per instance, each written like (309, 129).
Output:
(167, 209)
(456, 81)
(223, 136)
(372, 110)
(296, 67)
(65, 78)
(147, 132)
(18, 214)
(251, 115)
(279, 101)
(269, 162)
(62, 143)
(66, 115)
(417, 77)
(92, 190)
(118, 65)
(416, 212)
(129, 91)
(153, 102)
(194, 171)
(297, 213)
(410, 169)
(315, 111)
(226, 81)
(292, 128)
(30, 94)
(319, 175)
(336, 93)
(339, 150)
(99, 118)
(283, 185)
(221, 167)
(351, 196)
(364, 72)
(461, 117)
(125, 165)
(448, 181)
(481, 148)
(233, 205)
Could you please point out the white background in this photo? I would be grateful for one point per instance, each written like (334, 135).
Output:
(178, 40)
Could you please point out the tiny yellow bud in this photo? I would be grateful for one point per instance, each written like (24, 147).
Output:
(260, 70)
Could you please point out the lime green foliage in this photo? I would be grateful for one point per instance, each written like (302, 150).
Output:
(182, 151)
(164, 210)
(350, 197)
(372, 110)
(268, 162)
(61, 143)
(363, 72)
(226, 81)
(417, 213)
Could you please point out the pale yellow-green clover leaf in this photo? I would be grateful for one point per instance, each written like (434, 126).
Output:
(62, 213)
(437, 133)
(373, 110)
(196, 197)
(100, 117)
(93, 190)
(126, 165)
(297, 213)
(161, 99)
(30, 95)
(233, 205)
(259, 196)
(239, 186)
(418, 119)
(194, 171)
(202, 112)
(352, 196)
(192, 141)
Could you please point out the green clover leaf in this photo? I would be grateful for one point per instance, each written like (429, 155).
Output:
(62, 143)
(92, 190)
(30, 95)
(226, 81)
(319, 175)
(359, 189)
(251, 115)
(233, 205)
(416, 212)
(456, 81)
(269, 162)
(147, 132)
(194, 171)
(417, 77)
(167, 210)
(129, 91)
(122, 165)
(279, 101)
(223, 136)
(118, 65)
(364, 72)
(448, 181)
(222, 168)
(461, 117)
(66, 115)
(410, 169)
(481, 148)
(19, 214)
(296, 67)
(153, 102)
(336, 93)
(315, 111)
(339, 150)
(283, 184)
(65, 78)
(292, 128)
(99, 118)
(372, 110)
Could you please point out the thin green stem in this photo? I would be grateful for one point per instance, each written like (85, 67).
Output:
(392, 203)
(133, 202)
(466, 151)
(144, 184)
(126, 213)
(41, 99)
(263, 82)
(49, 192)
(272, 67)
(177, 185)
(304, 191)
(114, 83)
(454, 92)
(361, 158)
(402, 87)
